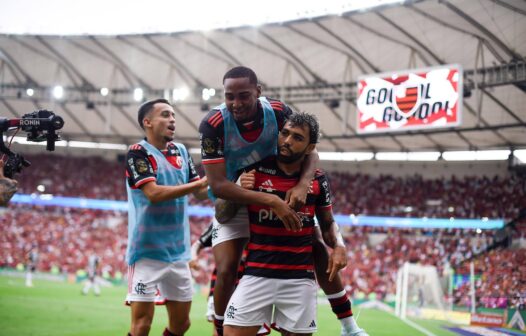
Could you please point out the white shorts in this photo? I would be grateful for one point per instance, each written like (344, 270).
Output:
(294, 302)
(236, 227)
(157, 281)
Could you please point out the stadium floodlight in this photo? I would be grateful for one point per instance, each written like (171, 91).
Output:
(138, 94)
(180, 94)
(208, 93)
(30, 92)
(423, 156)
(391, 156)
(58, 92)
(104, 91)
(345, 156)
(520, 154)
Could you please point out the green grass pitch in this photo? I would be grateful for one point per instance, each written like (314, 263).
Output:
(59, 309)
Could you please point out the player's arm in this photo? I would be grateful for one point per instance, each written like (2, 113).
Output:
(329, 229)
(227, 190)
(202, 192)
(297, 196)
(225, 210)
(205, 240)
(141, 175)
(158, 193)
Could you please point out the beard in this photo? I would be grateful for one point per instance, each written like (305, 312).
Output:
(293, 157)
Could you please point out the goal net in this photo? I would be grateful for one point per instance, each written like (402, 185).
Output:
(418, 288)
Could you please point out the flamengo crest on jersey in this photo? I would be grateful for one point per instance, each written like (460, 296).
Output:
(416, 99)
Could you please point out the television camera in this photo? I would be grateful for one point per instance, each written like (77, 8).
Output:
(40, 126)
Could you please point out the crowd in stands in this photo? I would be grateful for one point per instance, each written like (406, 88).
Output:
(65, 236)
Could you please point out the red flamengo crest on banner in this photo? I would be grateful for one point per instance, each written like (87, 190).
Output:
(408, 100)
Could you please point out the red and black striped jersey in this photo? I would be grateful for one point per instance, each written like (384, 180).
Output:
(274, 252)
(212, 130)
(141, 168)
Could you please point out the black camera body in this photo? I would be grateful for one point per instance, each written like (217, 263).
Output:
(40, 126)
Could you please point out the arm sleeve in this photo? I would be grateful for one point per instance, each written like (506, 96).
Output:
(192, 172)
(211, 136)
(139, 167)
(324, 201)
(206, 237)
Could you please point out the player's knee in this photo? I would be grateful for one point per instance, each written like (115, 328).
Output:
(227, 268)
(183, 327)
(142, 326)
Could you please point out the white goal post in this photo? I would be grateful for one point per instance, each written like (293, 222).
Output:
(418, 287)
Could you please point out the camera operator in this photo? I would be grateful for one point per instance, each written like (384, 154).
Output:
(8, 187)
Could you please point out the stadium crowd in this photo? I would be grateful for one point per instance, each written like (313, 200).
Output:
(66, 236)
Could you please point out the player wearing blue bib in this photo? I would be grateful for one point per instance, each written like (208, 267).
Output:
(160, 175)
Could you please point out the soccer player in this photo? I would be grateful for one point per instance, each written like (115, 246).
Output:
(31, 264)
(238, 133)
(279, 273)
(93, 265)
(160, 175)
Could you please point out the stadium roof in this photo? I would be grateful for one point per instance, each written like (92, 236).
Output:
(304, 62)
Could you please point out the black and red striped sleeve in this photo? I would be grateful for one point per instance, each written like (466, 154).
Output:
(211, 131)
(324, 200)
(140, 167)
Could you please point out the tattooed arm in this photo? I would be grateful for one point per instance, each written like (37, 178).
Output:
(8, 187)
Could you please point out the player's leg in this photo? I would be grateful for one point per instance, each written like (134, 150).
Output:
(228, 243)
(96, 287)
(176, 287)
(250, 307)
(296, 306)
(334, 290)
(141, 318)
(87, 286)
(227, 256)
(29, 276)
(143, 278)
(240, 331)
(178, 318)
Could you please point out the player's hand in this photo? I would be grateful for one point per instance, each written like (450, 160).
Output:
(248, 180)
(297, 196)
(203, 182)
(194, 264)
(291, 220)
(8, 187)
(337, 261)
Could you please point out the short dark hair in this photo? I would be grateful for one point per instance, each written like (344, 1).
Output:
(242, 72)
(147, 108)
(305, 119)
